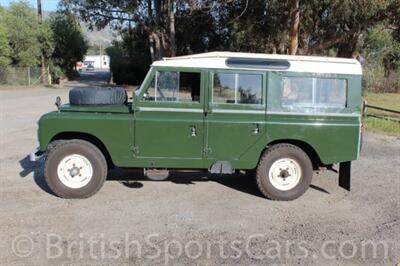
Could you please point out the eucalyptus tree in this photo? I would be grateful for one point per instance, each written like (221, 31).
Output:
(156, 17)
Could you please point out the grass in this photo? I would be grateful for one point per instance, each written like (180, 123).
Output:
(381, 126)
(388, 100)
(374, 119)
(21, 87)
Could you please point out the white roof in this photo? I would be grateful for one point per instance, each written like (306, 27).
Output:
(313, 64)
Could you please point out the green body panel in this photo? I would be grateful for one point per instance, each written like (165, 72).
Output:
(160, 134)
(112, 129)
(164, 137)
(235, 131)
(335, 139)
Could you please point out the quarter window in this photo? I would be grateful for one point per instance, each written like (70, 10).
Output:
(300, 92)
(170, 86)
(237, 88)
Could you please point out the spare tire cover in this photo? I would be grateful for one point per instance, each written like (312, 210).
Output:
(97, 96)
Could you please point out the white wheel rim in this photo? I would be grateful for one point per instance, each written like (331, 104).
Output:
(284, 174)
(75, 171)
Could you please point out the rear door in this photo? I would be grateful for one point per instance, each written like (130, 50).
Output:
(236, 111)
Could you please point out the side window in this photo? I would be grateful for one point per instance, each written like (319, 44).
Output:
(170, 86)
(237, 88)
(304, 93)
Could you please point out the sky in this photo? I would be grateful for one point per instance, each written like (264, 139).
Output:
(47, 5)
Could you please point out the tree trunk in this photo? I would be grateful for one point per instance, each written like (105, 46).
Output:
(158, 48)
(295, 25)
(347, 49)
(172, 28)
(151, 46)
(44, 78)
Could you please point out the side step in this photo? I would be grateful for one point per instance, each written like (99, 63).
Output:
(156, 174)
(221, 167)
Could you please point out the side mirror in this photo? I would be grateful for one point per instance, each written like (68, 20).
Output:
(58, 103)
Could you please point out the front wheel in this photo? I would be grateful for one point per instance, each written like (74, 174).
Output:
(75, 169)
(284, 172)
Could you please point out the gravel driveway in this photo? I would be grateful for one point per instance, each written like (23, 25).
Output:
(192, 218)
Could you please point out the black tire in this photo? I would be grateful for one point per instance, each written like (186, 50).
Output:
(75, 147)
(97, 96)
(280, 152)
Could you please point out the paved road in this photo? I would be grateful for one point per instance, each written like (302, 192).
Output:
(193, 218)
(90, 78)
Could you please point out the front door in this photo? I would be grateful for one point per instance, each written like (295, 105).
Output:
(235, 119)
(169, 119)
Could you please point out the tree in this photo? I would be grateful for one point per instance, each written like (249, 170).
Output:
(130, 57)
(155, 17)
(70, 45)
(331, 24)
(176, 27)
(4, 46)
(23, 33)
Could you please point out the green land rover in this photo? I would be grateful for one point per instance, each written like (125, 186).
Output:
(277, 117)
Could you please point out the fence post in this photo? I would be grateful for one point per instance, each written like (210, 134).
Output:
(29, 76)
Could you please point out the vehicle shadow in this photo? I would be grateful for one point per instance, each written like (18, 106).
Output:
(135, 179)
(240, 182)
(37, 169)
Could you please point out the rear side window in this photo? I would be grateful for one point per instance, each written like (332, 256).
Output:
(237, 88)
(310, 93)
(171, 86)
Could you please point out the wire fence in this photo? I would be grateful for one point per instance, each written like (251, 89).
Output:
(20, 76)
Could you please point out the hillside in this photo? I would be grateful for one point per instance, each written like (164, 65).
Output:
(102, 37)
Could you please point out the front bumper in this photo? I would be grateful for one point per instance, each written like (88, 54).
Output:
(35, 155)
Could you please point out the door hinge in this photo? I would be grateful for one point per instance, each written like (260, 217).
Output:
(207, 151)
(135, 150)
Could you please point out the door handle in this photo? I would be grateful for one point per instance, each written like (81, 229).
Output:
(256, 130)
(192, 131)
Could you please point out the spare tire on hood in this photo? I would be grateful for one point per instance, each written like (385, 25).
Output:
(97, 96)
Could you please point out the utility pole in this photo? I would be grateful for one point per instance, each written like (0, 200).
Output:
(100, 59)
(43, 62)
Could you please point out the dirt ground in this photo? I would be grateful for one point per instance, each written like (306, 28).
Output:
(192, 218)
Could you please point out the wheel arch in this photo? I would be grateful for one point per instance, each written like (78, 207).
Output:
(68, 135)
(306, 147)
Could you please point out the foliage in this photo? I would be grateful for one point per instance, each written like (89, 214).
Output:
(175, 27)
(96, 49)
(70, 45)
(24, 40)
(382, 53)
(5, 52)
(130, 58)
(23, 33)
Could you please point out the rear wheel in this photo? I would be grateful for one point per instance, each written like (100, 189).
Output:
(75, 169)
(284, 172)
